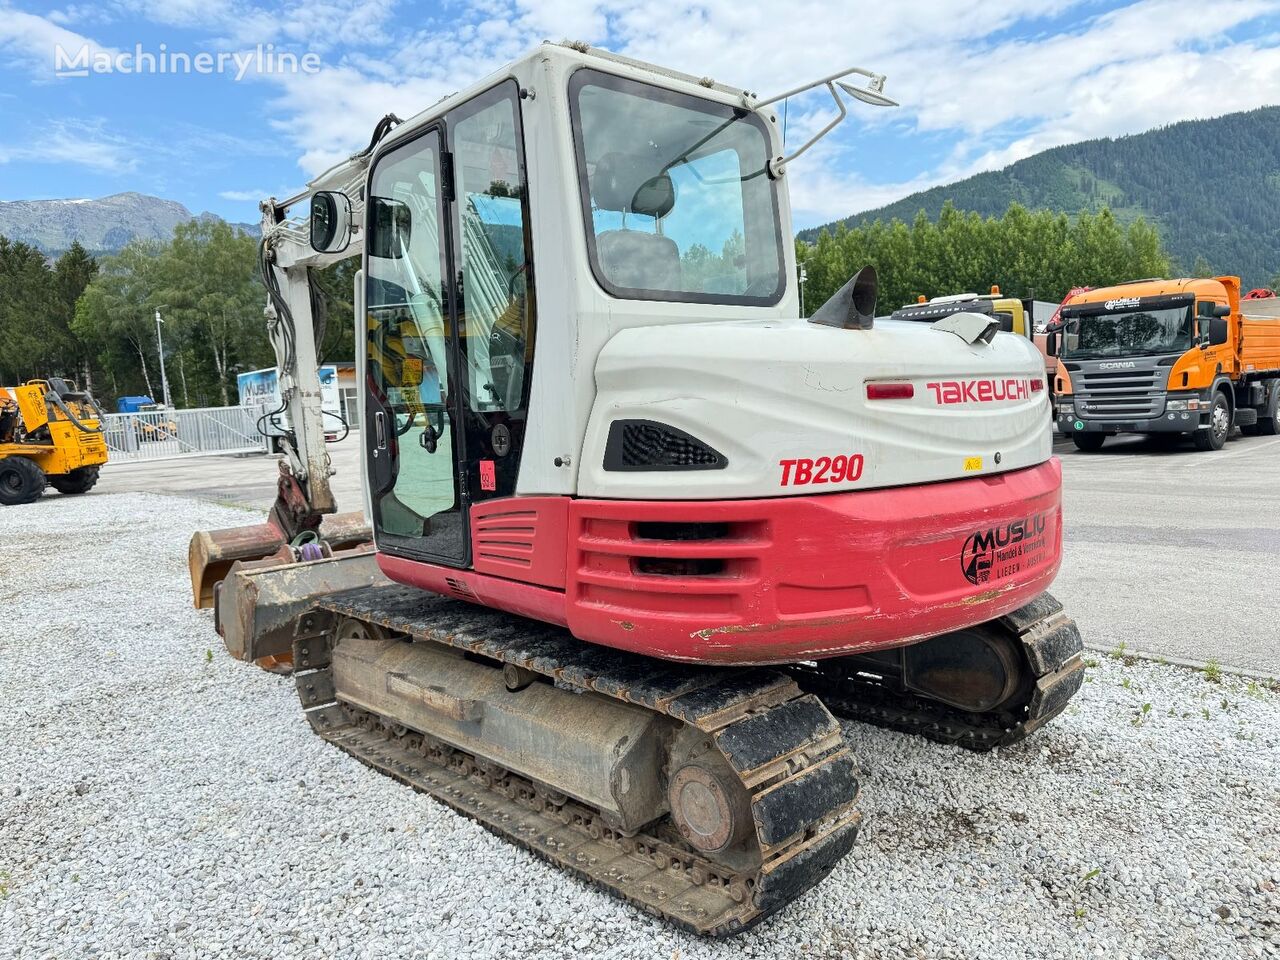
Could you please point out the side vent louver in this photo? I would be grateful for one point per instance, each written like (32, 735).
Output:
(646, 445)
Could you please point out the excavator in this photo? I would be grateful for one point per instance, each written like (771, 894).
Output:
(641, 535)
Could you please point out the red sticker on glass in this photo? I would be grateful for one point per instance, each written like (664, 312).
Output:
(488, 478)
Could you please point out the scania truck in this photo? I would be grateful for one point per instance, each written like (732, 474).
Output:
(1166, 357)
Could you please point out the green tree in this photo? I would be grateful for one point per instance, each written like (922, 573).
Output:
(26, 293)
(336, 283)
(204, 283)
(72, 273)
(212, 300)
(1030, 254)
(114, 317)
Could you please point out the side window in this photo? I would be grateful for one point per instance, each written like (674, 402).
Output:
(498, 318)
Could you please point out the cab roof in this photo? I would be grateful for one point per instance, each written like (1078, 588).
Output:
(1207, 289)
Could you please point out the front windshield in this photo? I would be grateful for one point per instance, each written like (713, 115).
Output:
(678, 202)
(1140, 332)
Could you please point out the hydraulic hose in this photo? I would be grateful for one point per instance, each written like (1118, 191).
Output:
(66, 412)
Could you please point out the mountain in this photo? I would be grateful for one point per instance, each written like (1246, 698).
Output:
(1211, 187)
(101, 226)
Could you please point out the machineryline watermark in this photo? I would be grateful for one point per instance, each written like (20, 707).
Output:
(265, 58)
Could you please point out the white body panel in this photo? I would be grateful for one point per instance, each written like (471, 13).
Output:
(764, 392)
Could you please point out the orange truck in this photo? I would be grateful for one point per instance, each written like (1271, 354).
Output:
(1169, 357)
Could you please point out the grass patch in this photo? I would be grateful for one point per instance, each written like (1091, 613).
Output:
(1213, 671)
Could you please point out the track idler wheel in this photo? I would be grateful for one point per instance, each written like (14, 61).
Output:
(710, 810)
(978, 669)
(979, 688)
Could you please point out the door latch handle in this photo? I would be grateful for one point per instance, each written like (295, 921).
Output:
(380, 430)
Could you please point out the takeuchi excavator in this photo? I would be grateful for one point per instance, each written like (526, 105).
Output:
(640, 532)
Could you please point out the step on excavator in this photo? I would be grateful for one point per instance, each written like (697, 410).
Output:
(641, 534)
(50, 436)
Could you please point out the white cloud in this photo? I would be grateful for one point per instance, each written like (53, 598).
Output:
(34, 40)
(82, 144)
(998, 79)
(1150, 63)
(314, 24)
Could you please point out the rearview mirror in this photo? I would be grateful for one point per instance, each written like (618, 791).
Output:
(1217, 331)
(330, 222)
(1051, 343)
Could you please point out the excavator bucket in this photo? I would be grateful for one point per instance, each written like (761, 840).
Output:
(213, 553)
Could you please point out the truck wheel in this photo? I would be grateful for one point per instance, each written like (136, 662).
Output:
(1269, 414)
(1219, 425)
(80, 480)
(21, 481)
(1089, 442)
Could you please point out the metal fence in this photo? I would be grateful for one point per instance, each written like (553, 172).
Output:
(165, 434)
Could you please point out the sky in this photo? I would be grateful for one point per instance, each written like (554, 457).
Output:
(982, 83)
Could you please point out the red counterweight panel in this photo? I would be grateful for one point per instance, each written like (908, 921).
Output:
(765, 581)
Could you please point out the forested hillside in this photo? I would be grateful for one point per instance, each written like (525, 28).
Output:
(1210, 187)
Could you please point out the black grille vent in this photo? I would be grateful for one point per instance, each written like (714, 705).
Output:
(645, 445)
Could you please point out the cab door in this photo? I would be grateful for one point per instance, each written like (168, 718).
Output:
(449, 309)
(495, 301)
(411, 442)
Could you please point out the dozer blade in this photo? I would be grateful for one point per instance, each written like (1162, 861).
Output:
(259, 602)
(212, 552)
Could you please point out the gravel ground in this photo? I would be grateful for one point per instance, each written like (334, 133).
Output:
(160, 800)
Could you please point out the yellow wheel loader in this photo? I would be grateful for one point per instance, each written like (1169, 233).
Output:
(50, 435)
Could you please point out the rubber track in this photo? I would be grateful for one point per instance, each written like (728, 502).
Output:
(1051, 648)
(784, 745)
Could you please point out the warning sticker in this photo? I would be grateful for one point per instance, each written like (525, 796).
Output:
(488, 476)
(972, 463)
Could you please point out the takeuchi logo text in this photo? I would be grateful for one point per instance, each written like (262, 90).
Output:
(263, 59)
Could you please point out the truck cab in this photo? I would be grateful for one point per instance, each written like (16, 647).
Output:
(1164, 357)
